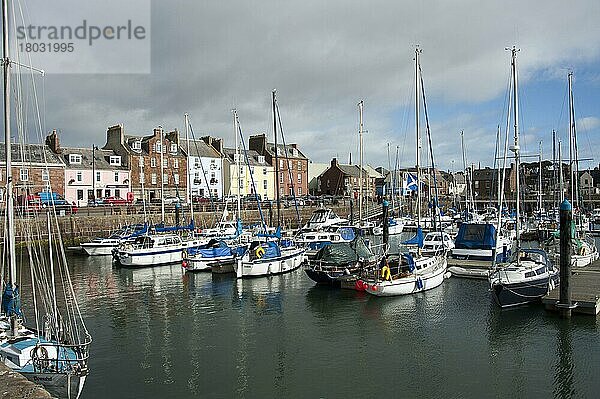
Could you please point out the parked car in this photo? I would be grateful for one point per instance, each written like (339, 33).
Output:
(171, 200)
(114, 200)
(96, 202)
(197, 199)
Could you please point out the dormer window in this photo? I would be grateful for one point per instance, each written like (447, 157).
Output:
(137, 145)
(294, 152)
(74, 158)
(115, 160)
(174, 148)
(261, 159)
(279, 152)
(236, 158)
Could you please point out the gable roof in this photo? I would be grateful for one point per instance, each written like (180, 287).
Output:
(99, 159)
(229, 154)
(31, 153)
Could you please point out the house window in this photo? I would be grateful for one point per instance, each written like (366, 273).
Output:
(99, 193)
(97, 176)
(294, 152)
(117, 193)
(137, 145)
(45, 175)
(115, 160)
(265, 171)
(142, 177)
(252, 170)
(299, 190)
(116, 177)
(165, 163)
(241, 184)
(290, 164)
(79, 195)
(176, 178)
(174, 148)
(281, 178)
(74, 158)
(158, 146)
(79, 176)
(90, 194)
(141, 161)
(165, 178)
(213, 161)
(281, 164)
(261, 159)
(264, 184)
(176, 164)
(299, 165)
(299, 178)
(107, 193)
(153, 178)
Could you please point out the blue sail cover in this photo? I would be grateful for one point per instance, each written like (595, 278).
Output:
(164, 229)
(347, 233)
(271, 250)
(476, 236)
(417, 239)
(11, 304)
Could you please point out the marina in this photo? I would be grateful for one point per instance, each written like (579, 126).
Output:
(265, 337)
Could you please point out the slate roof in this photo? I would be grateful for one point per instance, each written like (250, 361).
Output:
(289, 148)
(252, 157)
(102, 159)
(198, 148)
(31, 153)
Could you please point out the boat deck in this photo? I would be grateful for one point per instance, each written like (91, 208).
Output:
(585, 290)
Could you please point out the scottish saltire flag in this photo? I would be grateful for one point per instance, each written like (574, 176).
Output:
(411, 183)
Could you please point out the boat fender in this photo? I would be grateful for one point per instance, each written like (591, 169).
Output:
(385, 272)
(583, 251)
(359, 285)
(259, 252)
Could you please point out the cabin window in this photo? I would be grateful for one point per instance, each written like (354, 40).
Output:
(541, 270)
(529, 274)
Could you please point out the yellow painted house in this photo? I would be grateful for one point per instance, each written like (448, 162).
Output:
(251, 167)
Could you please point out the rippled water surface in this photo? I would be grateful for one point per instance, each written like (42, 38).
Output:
(160, 333)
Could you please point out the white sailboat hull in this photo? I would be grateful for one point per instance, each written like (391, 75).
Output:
(430, 278)
(288, 261)
(197, 264)
(150, 258)
(93, 249)
(59, 385)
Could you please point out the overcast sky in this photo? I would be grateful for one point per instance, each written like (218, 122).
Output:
(325, 56)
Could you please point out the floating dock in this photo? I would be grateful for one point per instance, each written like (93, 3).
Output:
(585, 290)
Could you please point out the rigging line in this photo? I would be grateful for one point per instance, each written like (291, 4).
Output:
(290, 176)
(435, 204)
(262, 219)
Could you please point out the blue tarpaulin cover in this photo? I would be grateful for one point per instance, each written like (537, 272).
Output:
(417, 239)
(476, 236)
(11, 303)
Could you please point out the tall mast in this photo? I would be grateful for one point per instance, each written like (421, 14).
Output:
(360, 154)
(574, 161)
(418, 133)
(237, 162)
(561, 183)
(498, 137)
(162, 176)
(515, 148)
(392, 175)
(540, 181)
(467, 178)
(554, 173)
(274, 92)
(189, 174)
(10, 214)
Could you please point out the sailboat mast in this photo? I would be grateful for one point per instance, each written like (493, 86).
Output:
(554, 174)
(561, 183)
(237, 162)
(162, 176)
(573, 147)
(10, 213)
(276, 150)
(516, 148)
(571, 155)
(540, 181)
(467, 178)
(360, 154)
(418, 135)
(190, 177)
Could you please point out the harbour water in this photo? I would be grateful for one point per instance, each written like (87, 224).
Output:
(160, 333)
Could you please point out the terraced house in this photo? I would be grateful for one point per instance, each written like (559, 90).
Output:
(153, 161)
